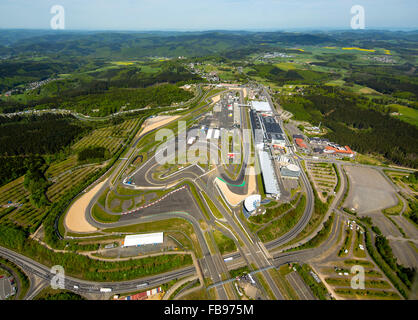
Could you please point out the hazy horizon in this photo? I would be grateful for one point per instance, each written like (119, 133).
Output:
(393, 29)
(225, 15)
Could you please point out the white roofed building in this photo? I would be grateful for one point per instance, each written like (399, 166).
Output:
(252, 202)
(261, 106)
(269, 176)
(143, 239)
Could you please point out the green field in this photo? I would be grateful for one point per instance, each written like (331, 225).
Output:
(407, 114)
(110, 137)
(225, 244)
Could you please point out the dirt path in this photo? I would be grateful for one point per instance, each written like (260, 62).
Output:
(75, 220)
(216, 98)
(155, 122)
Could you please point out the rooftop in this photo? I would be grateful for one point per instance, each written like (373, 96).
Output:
(269, 176)
(300, 143)
(261, 106)
(252, 202)
(141, 239)
(271, 125)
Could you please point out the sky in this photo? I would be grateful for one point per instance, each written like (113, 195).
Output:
(183, 15)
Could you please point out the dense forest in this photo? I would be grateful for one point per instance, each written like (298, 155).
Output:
(67, 295)
(36, 183)
(12, 168)
(44, 134)
(174, 44)
(354, 122)
(114, 99)
(24, 140)
(134, 77)
(282, 77)
(99, 95)
(399, 80)
(93, 153)
(413, 215)
(14, 73)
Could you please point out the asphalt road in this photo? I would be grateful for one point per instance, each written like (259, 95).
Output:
(302, 290)
(309, 204)
(120, 168)
(251, 252)
(88, 287)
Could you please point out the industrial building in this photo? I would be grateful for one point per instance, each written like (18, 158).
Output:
(276, 139)
(257, 130)
(266, 130)
(269, 176)
(270, 125)
(261, 106)
(290, 170)
(317, 140)
(143, 239)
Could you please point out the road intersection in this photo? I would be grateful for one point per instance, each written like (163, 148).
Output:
(251, 252)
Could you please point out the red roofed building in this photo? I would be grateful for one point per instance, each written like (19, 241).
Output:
(347, 150)
(301, 143)
(142, 295)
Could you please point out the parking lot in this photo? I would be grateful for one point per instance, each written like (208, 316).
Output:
(369, 190)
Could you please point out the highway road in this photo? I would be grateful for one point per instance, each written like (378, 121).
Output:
(251, 251)
(143, 178)
(117, 170)
(88, 287)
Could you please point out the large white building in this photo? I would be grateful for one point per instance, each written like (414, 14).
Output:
(261, 106)
(269, 176)
(142, 239)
